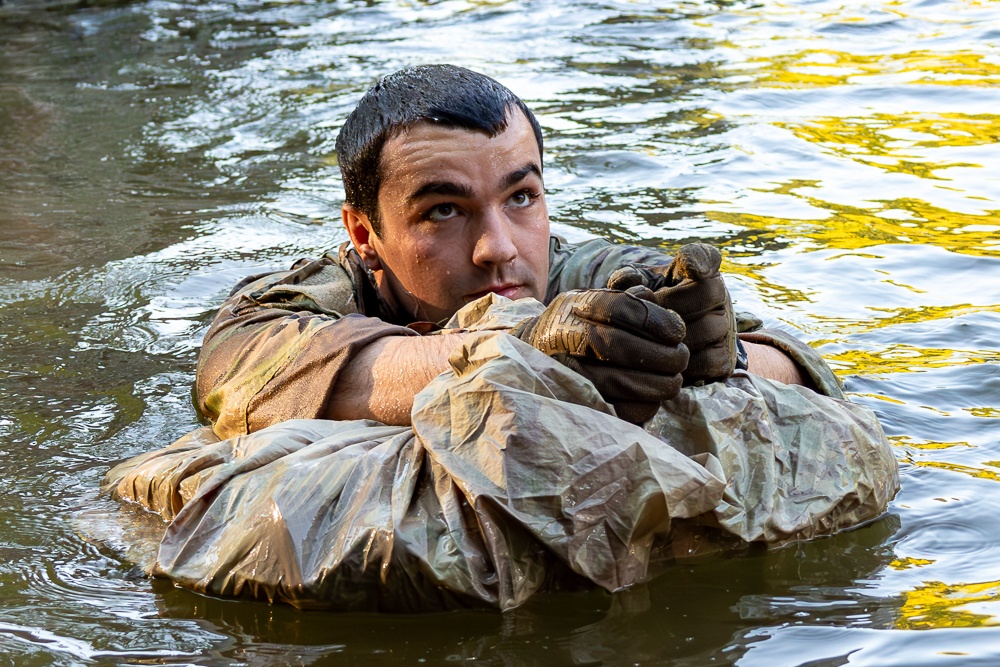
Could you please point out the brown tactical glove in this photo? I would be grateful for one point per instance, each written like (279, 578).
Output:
(629, 348)
(691, 286)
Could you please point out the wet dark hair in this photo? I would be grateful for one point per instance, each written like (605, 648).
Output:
(442, 94)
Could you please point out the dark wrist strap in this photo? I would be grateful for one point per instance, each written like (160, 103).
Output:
(742, 363)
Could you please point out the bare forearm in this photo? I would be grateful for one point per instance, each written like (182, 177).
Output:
(773, 364)
(381, 381)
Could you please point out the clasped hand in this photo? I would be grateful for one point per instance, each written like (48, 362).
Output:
(692, 287)
(630, 348)
(655, 329)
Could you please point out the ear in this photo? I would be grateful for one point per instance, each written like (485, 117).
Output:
(359, 228)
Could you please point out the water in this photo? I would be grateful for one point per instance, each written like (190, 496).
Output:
(844, 154)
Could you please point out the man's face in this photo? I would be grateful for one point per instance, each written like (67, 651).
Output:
(463, 215)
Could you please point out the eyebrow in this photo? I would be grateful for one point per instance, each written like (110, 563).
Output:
(440, 188)
(451, 189)
(518, 175)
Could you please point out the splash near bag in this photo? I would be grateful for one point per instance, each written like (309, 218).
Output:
(516, 477)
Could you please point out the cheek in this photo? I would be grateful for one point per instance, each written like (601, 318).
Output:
(422, 255)
(539, 259)
(428, 264)
(534, 249)
(535, 239)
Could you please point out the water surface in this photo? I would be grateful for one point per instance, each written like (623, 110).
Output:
(844, 155)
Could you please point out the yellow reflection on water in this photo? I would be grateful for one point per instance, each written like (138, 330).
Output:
(755, 273)
(880, 397)
(881, 134)
(901, 358)
(893, 144)
(826, 67)
(853, 228)
(907, 441)
(897, 143)
(937, 605)
(971, 471)
(908, 563)
(928, 313)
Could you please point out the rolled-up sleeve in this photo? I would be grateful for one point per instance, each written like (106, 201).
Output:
(276, 348)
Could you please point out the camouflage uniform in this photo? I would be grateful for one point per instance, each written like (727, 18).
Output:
(514, 478)
(280, 341)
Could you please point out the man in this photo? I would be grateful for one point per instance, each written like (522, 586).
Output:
(446, 204)
(417, 431)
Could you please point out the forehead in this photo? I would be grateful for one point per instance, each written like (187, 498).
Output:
(429, 152)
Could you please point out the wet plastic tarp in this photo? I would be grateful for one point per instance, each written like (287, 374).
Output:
(516, 477)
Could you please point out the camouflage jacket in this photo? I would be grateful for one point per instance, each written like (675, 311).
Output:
(279, 342)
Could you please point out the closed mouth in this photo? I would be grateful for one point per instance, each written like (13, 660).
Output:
(496, 289)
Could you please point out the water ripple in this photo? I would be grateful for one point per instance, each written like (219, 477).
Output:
(152, 153)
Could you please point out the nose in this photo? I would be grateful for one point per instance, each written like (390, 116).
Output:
(495, 244)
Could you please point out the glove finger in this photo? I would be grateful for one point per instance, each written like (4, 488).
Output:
(716, 361)
(709, 364)
(708, 330)
(642, 292)
(695, 261)
(618, 385)
(636, 413)
(627, 276)
(623, 350)
(629, 313)
(692, 298)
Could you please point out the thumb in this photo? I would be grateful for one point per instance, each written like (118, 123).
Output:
(626, 277)
(695, 261)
